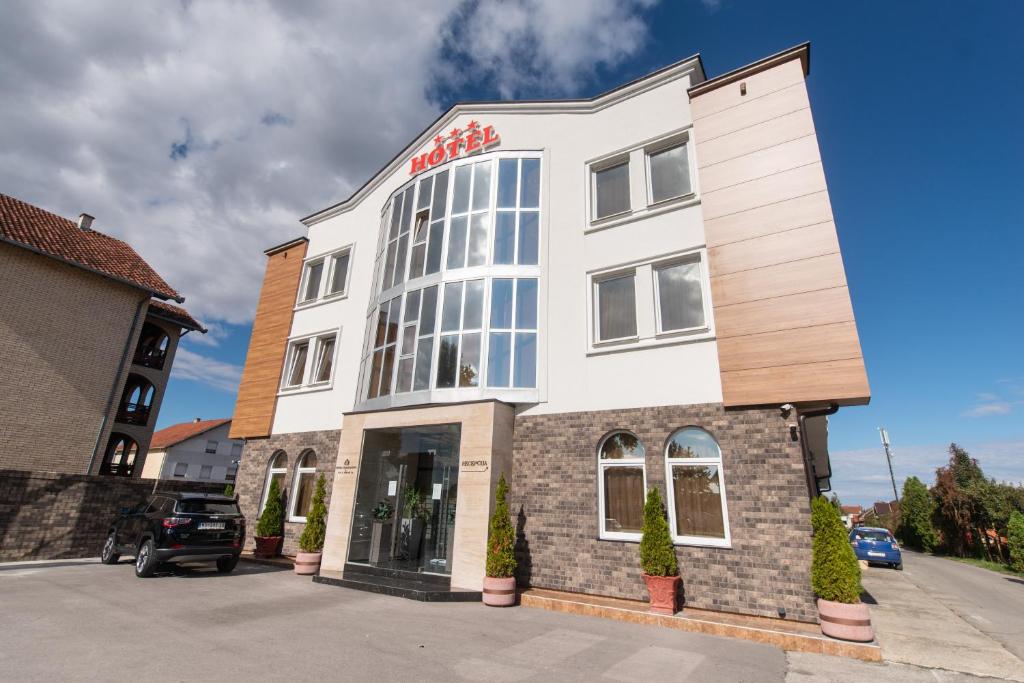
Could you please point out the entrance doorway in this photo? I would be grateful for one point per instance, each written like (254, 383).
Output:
(405, 499)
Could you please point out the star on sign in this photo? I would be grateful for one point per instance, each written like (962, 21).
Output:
(455, 133)
(438, 140)
(472, 125)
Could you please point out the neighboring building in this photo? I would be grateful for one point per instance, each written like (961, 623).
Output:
(851, 515)
(87, 340)
(200, 450)
(592, 297)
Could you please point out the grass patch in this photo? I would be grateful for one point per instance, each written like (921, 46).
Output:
(984, 564)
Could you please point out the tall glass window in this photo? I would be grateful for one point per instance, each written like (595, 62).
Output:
(697, 506)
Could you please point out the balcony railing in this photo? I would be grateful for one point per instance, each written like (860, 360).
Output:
(133, 414)
(117, 469)
(150, 359)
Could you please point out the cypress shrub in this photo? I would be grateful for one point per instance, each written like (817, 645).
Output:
(835, 573)
(271, 522)
(501, 537)
(657, 554)
(1015, 537)
(916, 511)
(229, 491)
(312, 538)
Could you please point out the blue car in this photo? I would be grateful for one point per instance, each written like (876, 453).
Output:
(876, 545)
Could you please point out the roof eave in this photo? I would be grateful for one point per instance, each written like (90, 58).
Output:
(801, 51)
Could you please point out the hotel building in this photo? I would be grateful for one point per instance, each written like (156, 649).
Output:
(592, 297)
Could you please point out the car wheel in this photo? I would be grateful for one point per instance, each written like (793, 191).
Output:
(109, 554)
(898, 566)
(145, 561)
(226, 565)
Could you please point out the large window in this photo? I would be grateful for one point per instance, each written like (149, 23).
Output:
(697, 506)
(680, 296)
(277, 469)
(310, 361)
(610, 187)
(512, 345)
(517, 225)
(669, 172)
(462, 320)
(302, 487)
(615, 299)
(621, 486)
(471, 202)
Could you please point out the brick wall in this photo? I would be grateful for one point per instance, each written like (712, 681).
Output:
(49, 516)
(62, 334)
(252, 475)
(555, 484)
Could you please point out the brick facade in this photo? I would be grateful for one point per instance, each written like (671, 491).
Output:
(252, 475)
(50, 516)
(554, 490)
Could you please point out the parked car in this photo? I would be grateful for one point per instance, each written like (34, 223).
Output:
(177, 528)
(876, 545)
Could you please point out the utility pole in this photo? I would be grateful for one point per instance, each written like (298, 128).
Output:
(888, 456)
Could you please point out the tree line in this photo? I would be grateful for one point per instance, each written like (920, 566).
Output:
(964, 513)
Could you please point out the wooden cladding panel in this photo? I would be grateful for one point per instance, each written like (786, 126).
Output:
(784, 321)
(257, 393)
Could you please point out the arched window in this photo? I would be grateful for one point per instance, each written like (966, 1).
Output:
(119, 458)
(152, 347)
(277, 469)
(302, 487)
(697, 507)
(136, 400)
(621, 486)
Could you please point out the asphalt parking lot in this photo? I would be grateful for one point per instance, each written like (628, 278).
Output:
(92, 622)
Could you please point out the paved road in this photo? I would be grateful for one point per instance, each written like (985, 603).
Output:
(992, 602)
(89, 621)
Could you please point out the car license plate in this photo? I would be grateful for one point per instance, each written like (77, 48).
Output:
(872, 553)
(211, 525)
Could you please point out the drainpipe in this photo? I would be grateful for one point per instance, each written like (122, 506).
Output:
(812, 484)
(117, 378)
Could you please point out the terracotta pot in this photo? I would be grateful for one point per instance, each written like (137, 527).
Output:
(499, 592)
(662, 590)
(268, 546)
(844, 621)
(307, 564)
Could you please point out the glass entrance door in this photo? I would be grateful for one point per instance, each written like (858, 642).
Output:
(405, 499)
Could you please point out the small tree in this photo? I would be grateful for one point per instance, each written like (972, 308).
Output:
(312, 538)
(1015, 538)
(917, 509)
(501, 537)
(271, 522)
(835, 574)
(229, 491)
(657, 554)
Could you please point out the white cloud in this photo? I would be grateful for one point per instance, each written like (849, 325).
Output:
(862, 476)
(201, 132)
(199, 368)
(990, 408)
(991, 403)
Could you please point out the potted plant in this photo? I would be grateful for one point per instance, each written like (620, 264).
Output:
(500, 580)
(311, 542)
(415, 514)
(658, 557)
(380, 533)
(835, 577)
(270, 527)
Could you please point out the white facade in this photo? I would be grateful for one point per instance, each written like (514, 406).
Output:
(211, 456)
(575, 371)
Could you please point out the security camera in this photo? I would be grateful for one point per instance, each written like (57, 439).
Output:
(786, 409)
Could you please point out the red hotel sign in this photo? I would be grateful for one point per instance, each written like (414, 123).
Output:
(458, 143)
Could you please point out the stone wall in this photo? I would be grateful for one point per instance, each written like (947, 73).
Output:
(554, 488)
(252, 475)
(50, 516)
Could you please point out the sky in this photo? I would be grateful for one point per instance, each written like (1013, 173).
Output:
(201, 131)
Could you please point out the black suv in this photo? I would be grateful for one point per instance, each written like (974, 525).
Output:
(177, 527)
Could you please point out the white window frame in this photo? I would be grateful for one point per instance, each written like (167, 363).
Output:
(663, 145)
(605, 165)
(700, 541)
(296, 480)
(332, 259)
(307, 265)
(313, 340)
(270, 472)
(315, 364)
(705, 288)
(602, 464)
(596, 309)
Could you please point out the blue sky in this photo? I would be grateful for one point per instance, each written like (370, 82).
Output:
(917, 107)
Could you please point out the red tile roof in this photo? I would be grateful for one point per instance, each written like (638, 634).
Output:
(851, 509)
(175, 434)
(175, 314)
(33, 228)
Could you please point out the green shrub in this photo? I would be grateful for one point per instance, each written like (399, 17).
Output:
(835, 573)
(1015, 537)
(229, 491)
(916, 511)
(657, 554)
(312, 538)
(271, 522)
(501, 537)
